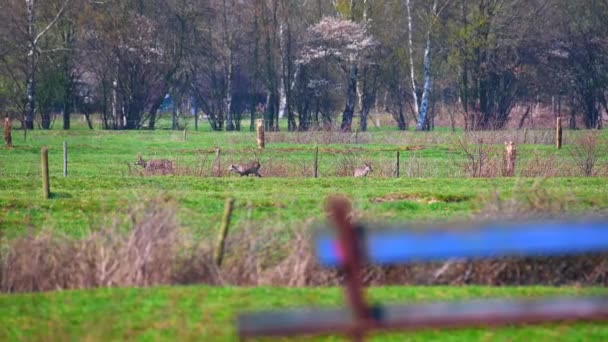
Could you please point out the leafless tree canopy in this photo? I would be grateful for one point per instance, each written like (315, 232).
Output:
(123, 63)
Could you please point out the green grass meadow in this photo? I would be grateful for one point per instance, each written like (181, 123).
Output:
(207, 313)
(102, 185)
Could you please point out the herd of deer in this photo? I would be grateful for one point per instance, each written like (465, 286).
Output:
(165, 166)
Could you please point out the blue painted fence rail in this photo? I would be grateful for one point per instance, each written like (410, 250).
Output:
(398, 246)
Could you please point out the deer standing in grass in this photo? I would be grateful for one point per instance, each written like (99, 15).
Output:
(162, 166)
(251, 168)
(363, 171)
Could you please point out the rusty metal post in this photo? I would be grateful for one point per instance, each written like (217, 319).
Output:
(338, 209)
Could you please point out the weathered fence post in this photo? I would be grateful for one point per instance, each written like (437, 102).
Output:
(8, 139)
(219, 248)
(558, 133)
(218, 162)
(509, 159)
(65, 159)
(46, 187)
(260, 128)
(397, 166)
(525, 135)
(315, 171)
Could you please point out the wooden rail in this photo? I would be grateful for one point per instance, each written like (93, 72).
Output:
(349, 245)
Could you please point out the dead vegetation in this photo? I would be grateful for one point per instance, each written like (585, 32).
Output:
(585, 152)
(155, 251)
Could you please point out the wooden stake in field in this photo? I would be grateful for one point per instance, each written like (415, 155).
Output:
(65, 159)
(260, 128)
(8, 139)
(315, 171)
(509, 159)
(46, 187)
(219, 248)
(558, 133)
(218, 162)
(397, 166)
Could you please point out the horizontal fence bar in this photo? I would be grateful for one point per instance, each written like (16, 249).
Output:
(472, 313)
(398, 246)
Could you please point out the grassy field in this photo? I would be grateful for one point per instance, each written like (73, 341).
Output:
(207, 314)
(103, 185)
(102, 182)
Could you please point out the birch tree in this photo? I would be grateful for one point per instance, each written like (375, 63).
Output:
(33, 53)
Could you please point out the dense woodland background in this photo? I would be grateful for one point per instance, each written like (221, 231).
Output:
(473, 64)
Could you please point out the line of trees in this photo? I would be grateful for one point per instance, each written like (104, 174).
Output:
(313, 62)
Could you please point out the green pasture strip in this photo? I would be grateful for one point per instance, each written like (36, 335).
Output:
(81, 203)
(207, 313)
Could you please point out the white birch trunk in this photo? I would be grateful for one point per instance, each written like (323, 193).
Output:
(424, 103)
(114, 104)
(411, 52)
(31, 66)
(228, 100)
(282, 90)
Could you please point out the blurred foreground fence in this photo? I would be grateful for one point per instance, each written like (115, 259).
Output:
(350, 245)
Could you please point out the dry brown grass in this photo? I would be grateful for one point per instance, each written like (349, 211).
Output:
(319, 137)
(585, 152)
(155, 251)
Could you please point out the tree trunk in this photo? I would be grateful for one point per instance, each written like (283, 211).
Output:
(45, 119)
(30, 85)
(175, 102)
(351, 100)
(115, 114)
(422, 123)
(411, 52)
(228, 100)
(368, 95)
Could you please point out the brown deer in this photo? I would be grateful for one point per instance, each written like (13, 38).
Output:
(363, 171)
(162, 166)
(251, 168)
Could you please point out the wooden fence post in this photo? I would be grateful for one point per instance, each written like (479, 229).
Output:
(558, 133)
(397, 166)
(260, 129)
(509, 159)
(8, 139)
(46, 187)
(218, 162)
(65, 159)
(316, 163)
(219, 248)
